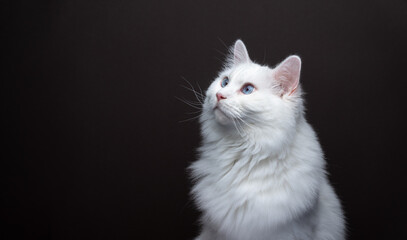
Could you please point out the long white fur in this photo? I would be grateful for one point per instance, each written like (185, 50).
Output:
(261, 171)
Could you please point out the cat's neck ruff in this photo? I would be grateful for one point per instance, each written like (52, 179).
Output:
(259, 141)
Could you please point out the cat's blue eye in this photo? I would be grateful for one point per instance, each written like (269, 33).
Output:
(224, 82)
(247, 89)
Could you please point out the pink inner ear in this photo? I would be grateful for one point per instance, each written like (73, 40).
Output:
(287, 74)
(240, 54)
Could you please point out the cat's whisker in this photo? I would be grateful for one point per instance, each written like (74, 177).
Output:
(194, 112)
(241, 128)
(199, 96)
(197, 104)
(190, 119)
(200, 90)
(243, 121)
(192, 90)
(234, 108)
(191, 104)
(237, 128)
(248, 116)
(235, 114)
(253, 120)
(236, 111)
(240, 120)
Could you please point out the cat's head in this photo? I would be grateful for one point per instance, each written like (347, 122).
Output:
(247, 95)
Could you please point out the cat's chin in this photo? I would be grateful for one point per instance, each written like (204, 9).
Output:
(221, 117)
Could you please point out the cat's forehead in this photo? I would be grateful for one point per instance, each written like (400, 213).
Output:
(248, 73)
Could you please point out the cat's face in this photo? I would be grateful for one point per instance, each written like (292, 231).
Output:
(248, 93)
(240, 92)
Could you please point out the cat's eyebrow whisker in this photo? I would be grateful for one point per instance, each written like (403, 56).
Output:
(220, 60)
(224, 44)
(222, 53)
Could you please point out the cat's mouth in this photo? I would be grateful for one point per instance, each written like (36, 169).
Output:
(220, 115)
(217, 108)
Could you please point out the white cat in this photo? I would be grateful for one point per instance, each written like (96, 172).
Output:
(261, 171)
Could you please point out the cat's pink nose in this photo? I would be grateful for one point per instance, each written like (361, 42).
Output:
(219, 96)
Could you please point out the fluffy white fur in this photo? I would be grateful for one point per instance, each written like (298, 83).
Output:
(261, 171)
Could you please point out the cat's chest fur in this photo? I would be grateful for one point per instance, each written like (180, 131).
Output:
(244, 188)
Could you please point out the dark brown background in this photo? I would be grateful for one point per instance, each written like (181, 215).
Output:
(93, 147)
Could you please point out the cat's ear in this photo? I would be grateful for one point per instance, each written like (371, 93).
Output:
(240, 54)
(287, 75)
